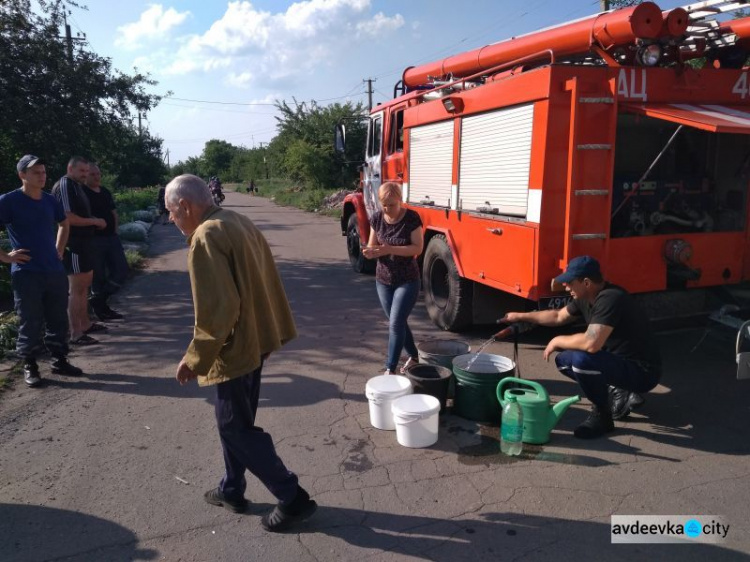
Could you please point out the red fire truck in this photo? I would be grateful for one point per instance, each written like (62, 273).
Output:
(625, 136)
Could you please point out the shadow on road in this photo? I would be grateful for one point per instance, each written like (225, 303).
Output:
(31, 533)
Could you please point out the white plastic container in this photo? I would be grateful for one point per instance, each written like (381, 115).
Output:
(416, 418)
(381, 391)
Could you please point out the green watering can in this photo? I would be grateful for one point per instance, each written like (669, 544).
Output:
(539, 416)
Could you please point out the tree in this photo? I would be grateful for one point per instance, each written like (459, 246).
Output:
(303, 149)
(56, 105)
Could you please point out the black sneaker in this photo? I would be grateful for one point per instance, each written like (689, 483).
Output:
(31, 374)
(282, 517)
(60, 366)
(108, 314)
(215, 497)
(636, 400)
(619, 402)
(597, 424)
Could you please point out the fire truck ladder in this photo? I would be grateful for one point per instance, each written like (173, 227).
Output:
(593, 124)
(703, 26)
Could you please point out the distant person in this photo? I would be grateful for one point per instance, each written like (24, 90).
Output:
(78, 259)
(40, 286)
(163, 214)
(251, 189)
(617, 348)
(109, 261)
(395, 241)
(241, 317)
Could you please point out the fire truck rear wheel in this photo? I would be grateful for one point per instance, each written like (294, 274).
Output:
(359, 262)
(447, 295)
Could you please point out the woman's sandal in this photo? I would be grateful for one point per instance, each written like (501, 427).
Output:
(409, 362)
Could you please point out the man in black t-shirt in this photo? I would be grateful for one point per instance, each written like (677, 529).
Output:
(618, 347)
(108, 257)
(69, 190)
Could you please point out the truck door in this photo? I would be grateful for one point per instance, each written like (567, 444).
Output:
(372, 170)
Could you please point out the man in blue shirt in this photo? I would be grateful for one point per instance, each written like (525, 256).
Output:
(40, 285)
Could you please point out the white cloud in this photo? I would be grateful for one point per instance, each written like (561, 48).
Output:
(154, 23)
(240, 80)
(380, 24)
(251, 43)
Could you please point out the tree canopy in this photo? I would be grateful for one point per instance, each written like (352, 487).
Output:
(302, 151)
(60, 101)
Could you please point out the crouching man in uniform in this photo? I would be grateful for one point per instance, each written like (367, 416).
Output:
(241, 317)
(618, 347)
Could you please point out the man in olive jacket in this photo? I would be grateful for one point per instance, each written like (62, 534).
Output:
(241, 317)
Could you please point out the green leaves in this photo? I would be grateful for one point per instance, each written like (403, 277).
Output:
(55, 107)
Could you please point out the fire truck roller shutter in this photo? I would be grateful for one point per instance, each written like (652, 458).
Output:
(495, 160)
(431, 164)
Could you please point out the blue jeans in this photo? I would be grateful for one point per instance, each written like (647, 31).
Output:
(247, 446)
(41, 300)
(110, 265)
(595, 371)
(397, 302)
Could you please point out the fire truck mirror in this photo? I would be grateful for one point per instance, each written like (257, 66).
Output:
(339, 143)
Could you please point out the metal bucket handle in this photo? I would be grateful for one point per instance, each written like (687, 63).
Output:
(540, 390)
(741, 335)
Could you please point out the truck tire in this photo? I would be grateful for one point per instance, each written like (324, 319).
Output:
(447, 295)
(359, 262)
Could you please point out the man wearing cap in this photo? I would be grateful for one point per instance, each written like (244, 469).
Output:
(78, 259)
(617, 348)
(40, 287)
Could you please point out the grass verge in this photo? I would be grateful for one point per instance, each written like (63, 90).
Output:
(136, 260)
(284, 192)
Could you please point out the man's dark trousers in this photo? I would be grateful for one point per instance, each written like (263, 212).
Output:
(596, 371)
(41, 301)
(246, 446)
(110, 266)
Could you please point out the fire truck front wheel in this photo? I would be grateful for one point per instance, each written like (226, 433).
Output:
(359, 262)
(447, 295)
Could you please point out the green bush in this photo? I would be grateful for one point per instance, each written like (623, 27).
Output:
(8, 333)
(135, 259)
(130, 200)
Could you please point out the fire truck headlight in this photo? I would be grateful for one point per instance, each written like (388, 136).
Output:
(649, 55)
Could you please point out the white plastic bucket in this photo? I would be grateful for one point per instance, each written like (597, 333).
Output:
(416, 418)
(381, 391)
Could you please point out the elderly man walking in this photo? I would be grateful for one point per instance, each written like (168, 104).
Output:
(241, 317)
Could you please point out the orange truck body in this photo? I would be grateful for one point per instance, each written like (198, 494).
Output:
(524, 169)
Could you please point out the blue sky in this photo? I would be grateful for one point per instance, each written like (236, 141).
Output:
(255, 52)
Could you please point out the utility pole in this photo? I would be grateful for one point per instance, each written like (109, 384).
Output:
(140, 128)
(265, 160)
(604, 5)
(369, 92)
(69, 38)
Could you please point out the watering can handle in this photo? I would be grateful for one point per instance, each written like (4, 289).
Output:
(507, 380)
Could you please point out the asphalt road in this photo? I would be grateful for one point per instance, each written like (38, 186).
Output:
(113, 466)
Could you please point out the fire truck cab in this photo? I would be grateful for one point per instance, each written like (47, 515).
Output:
(596, 137)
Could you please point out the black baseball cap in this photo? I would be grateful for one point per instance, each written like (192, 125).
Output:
(579, 268)
(27, 162)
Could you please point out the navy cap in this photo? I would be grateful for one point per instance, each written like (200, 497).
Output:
(578, 268)
(27, 162)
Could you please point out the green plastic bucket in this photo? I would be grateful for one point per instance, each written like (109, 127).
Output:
(476, 397)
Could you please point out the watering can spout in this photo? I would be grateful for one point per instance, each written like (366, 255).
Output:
(559, 409)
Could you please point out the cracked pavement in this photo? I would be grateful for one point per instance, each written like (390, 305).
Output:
(113, 466)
